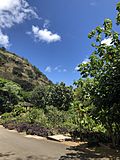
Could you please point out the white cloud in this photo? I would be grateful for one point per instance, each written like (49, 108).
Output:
(45, 35)
(46, 23)
(86, 60)
(107, 41)
(4, 40)
(64, 70)
(57, 68)
(14, 12)
(92, 3)
(48, 69)
(76, 68)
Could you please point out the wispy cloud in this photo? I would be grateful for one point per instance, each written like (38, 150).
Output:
(4, 40)
(76, 68)
(64, 70)
(14, 12)
(86, 60)
(55, 69)
(60, 69)
(46, 23)
(93, 3)
(48, 69)
(107, 41)
(45, 35)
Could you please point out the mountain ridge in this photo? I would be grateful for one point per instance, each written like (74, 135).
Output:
(20, 70)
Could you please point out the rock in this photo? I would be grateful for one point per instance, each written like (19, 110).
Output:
(59, 138)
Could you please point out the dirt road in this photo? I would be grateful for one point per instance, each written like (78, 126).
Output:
(15, 146)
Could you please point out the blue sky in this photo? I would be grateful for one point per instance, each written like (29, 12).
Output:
(52, 34)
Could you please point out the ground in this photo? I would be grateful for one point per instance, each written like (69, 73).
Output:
(15, 146)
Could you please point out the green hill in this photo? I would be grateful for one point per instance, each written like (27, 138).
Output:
(19, 70)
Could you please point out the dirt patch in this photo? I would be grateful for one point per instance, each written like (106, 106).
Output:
(71, 143)
(83, 152)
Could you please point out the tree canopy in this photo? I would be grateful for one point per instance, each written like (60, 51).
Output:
(10, 95)
(103, 68)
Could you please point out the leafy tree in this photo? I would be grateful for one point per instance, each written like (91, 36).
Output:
(55, 117)
(38, 96)
(36, 116)
(82, 106)
(104, 68)
(60, 96)
(57, 95)
(10, 95)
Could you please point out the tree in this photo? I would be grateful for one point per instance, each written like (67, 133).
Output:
(10, 95)
(38, 96)
(82, 106)
(60, 96)
(57, 95)
(104, 68)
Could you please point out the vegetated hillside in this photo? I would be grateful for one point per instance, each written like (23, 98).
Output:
(19, 70)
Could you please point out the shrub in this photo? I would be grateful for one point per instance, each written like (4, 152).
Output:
(55, 117)
(19, 109)
(6, 117)
(38, 96)
(26, 85)
(17, 71)
(60, 96)
(30, 74)
(37, 116)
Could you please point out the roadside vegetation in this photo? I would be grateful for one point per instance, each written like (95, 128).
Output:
(90, 111)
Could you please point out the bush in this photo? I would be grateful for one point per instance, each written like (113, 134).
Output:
(9, 95)
(9, 125)
(59, 96)
(17, 71)
(26, 85)
(30, 74)
(38, 130)
(38, 96)
(32, 129)
(36, 116)
(18, 110)
(22, 127)
(6, 117)
(55, 117)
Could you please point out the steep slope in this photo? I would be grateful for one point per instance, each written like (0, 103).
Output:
(19, 70)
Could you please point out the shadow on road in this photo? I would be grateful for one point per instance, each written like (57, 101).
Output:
(8, 154)
(36, 158)
(80, 152)
(83, 152)
(12, 156)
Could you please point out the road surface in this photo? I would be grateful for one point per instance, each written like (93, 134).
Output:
(15, 146)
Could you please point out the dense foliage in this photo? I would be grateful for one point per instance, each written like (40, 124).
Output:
(60, 96)
(19, 70)
(90, 111)
(57, 95)
(9, 95)
(103, 68)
